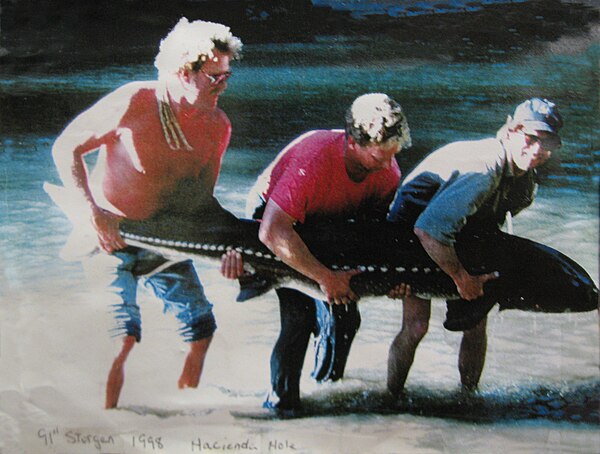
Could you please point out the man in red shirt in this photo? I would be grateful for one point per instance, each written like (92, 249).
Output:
(153, 137)
(323, 174)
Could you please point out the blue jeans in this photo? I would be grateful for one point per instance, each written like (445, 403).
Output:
(334, 327)
(177, 285)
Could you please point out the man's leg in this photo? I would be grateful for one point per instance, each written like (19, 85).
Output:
(116, 375)
(115, 272)
(194, 362)
(471, 357)
(182, 293)
(415, 322)
(336, 327)
(324, 341)
(297, 313)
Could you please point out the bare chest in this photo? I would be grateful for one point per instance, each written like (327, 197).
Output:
(144, 146)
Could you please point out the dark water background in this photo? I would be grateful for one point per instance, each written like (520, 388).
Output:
(281, 90)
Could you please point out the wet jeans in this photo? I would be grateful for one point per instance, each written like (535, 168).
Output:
(176, 284)
(334, 328)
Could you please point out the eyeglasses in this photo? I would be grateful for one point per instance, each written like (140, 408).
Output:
(549, 143)
(216, 79)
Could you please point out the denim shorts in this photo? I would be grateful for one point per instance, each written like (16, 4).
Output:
(176, 284)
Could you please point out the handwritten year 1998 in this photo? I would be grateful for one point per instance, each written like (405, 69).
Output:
(147, 442)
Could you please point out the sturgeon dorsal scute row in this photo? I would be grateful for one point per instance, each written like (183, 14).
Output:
(250, 252)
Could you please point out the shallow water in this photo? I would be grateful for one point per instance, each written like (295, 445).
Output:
(540, 387)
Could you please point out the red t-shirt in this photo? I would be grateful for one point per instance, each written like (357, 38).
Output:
(309, 178)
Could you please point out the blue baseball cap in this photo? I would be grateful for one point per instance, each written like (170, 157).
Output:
(538, 114)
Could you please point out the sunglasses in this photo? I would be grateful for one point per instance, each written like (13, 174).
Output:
(550, 143)
(216, 79)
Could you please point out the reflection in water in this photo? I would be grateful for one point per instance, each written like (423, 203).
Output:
(576, 403)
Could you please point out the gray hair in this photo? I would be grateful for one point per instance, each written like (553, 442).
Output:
(376, 118)
(189, 42)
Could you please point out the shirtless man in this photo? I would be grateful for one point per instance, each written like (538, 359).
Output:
(153, 137)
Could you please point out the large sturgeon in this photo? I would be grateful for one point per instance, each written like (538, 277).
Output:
(532, 277)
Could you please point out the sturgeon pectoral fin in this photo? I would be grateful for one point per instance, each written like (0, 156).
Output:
(463, 315)
(253, 285)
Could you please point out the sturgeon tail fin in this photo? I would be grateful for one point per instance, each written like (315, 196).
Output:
(253, 285)
(83, 240)
(71, 204)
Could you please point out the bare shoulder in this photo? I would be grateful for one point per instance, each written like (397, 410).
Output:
(217, 124)
(221, 118)
(123, 95)
(105, 115)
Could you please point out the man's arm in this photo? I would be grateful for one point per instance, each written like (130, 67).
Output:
(469, 287)
(446, 215)
(278, 234)
(85, 134)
